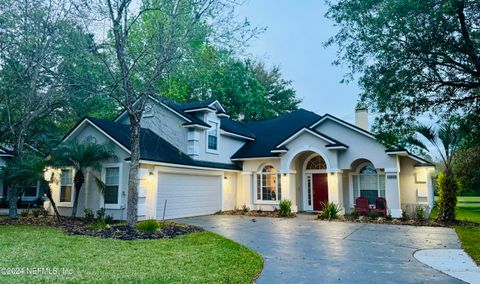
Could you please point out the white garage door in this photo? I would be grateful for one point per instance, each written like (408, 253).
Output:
(187, 195)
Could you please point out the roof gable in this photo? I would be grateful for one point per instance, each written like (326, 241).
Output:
(343, 123)
(270, 133)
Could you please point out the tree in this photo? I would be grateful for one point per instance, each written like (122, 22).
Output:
(81, 157)
(412, 56)
(139, 53)
(20, 175)
(445, 141)
(34, 36)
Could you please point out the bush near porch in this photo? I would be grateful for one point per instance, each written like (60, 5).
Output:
(467, 210)
(196, 258)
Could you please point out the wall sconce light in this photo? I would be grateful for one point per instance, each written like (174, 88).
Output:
(284, 174)
(151, 175)
(225, 177)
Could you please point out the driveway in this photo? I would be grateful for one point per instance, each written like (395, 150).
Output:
(304, 250)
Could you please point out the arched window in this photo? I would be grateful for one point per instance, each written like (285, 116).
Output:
(316, 163)
(368, 183)
(368, 170)
(269, 187)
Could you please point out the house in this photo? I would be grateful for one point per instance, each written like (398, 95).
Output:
(29, 196)
(195, 160)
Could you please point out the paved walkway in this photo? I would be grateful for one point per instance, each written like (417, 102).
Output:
(454, 262)
(304, 250)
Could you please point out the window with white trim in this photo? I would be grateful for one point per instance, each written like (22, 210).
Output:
(212, 136)
(269, 185)
(112, 185)
(368, 183)
(66, 186)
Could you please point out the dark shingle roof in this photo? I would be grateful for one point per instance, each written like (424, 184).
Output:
(194, 105)
(153, 147)
(270, 133)
(235, 127)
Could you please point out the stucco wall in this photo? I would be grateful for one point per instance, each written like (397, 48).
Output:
(413, 182)
(229, 191)
(90, 196)
(359, 146)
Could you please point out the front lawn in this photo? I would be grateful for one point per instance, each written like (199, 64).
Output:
(196, 258)
(468, 209)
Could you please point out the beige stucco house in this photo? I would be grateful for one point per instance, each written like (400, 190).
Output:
(195, 160)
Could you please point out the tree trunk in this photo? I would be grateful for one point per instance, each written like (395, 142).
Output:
(12, 201)
(132, 205)
(78, 181)
(448, 197)
(48, 192)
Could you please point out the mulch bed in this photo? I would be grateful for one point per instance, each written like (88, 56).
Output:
(256, 213)
(411, 222)
(113, 231)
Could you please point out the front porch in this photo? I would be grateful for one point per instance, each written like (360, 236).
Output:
(311, 178)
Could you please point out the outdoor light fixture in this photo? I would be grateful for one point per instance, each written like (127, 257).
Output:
(225, 177)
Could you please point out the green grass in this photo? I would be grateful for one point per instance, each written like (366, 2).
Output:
(470, 237)
(197, 258)
(468, 209)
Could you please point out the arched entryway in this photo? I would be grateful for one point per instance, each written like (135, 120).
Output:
(315, 183)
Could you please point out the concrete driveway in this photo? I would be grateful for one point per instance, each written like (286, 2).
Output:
(304, 250)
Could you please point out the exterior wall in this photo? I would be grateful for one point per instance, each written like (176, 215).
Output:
(359, 146)
(229, 191)
(90, 196)
(227, 146)
(414, 185)
(165, 124)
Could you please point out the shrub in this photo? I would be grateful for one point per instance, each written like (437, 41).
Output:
(405, 216)
(330, 211)
(285, 208)
(420, 212)
(99, 225)
(39, 212)
(109, 219)
(89, 215)
(389, 217)
(374, 215)
(245, 208)
(25, 213)
(355, 213)
(101, 214)
(148, 226)
(448, 186)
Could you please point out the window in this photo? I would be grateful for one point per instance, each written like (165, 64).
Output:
(309, 190)
(316, 163)
(30, 191)
(368, 183)
(269, 187)
(212, 136)
(66, 186)
(112, 185)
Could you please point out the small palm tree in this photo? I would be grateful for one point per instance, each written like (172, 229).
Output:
(30, 171)
(80, 156)
(445, 141)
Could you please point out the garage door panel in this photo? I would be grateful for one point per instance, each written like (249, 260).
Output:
(187, 195)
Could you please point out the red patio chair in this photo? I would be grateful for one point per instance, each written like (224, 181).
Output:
(361, 205)
(380, 206)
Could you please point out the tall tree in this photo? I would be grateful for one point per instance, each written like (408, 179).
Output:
(412, 56)
(34, 35)
(139, 53)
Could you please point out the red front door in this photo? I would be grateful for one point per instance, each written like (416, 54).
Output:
(320, 190)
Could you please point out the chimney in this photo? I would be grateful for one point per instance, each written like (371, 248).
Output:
(361, 116)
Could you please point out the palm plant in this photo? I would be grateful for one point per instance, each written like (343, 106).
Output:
(445, 141)
(80, 157)
(29, 171)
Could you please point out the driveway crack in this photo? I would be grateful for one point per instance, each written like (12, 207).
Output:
(363, 225)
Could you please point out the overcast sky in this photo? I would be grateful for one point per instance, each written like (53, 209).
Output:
(296, 30)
